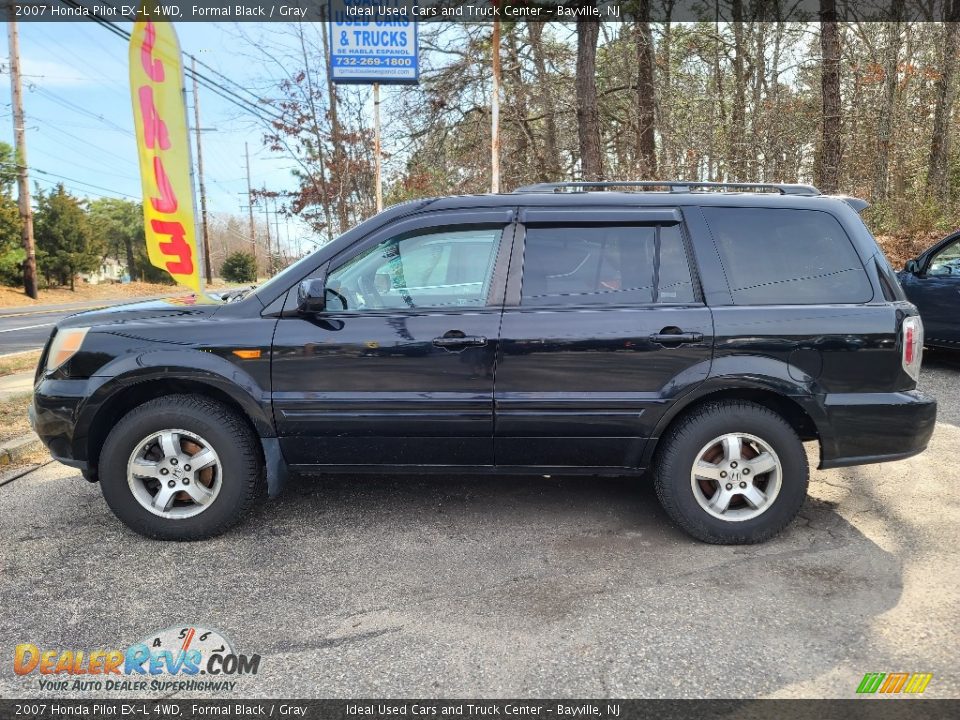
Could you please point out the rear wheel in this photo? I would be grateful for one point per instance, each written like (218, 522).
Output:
(732, 472)
(181, 467)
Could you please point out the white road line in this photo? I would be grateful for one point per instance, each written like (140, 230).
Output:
(26, 327)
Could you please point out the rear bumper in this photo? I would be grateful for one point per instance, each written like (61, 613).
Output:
(875, 427)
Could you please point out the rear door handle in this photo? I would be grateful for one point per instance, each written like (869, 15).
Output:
(457, 342)
(676, 338)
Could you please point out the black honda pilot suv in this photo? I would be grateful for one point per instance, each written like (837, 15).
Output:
(697, 331)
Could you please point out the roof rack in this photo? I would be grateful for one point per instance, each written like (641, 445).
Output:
(674, 186)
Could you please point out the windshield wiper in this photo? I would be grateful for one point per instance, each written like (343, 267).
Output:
(235, 295)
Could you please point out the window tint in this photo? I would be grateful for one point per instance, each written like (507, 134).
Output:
(436, 269)
(947, 261)
(603, 264)
(782, 256)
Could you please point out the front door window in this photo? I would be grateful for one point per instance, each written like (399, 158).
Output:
(438, 269)
(946, 262)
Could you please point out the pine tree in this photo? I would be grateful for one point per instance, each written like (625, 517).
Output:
(66, 244)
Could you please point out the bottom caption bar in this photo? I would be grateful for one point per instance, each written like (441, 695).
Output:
(176, 709)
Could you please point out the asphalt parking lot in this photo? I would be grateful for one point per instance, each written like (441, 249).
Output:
(525, 586)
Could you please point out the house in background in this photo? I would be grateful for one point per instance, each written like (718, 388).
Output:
(110, 271)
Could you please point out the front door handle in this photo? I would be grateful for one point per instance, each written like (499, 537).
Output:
(667, 338)
(456, 340)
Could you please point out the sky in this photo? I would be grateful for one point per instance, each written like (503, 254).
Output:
(80, 121)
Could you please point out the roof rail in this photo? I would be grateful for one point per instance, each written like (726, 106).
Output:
(674, 186)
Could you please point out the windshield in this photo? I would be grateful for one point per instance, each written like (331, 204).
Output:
(285, 277)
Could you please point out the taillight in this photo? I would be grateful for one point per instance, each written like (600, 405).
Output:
(912, 336)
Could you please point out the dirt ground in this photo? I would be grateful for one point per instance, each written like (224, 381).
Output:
(13, 416)
(19, 362)
(14, 297)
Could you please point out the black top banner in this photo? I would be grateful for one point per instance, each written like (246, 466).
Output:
(385, 12)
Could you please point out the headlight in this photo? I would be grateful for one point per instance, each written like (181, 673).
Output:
(65, 345)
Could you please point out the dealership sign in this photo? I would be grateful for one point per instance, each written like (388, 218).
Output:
(370, 45)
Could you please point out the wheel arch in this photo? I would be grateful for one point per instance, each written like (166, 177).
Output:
(120, 396)
(798, 410)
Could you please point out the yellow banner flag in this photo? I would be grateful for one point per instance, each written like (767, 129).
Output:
(160, 117)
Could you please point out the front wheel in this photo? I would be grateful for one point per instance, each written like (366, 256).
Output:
(731, 472)
(181, 467)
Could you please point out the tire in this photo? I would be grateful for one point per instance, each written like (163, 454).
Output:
(758, 504)
(135, 468)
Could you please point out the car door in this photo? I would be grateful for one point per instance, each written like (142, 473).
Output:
(399, 367)
(935, 290)
(603, 326)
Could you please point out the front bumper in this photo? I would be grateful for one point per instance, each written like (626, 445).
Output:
(864, 428)
(53, 413)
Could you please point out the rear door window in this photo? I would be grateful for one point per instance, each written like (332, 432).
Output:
(774, 256)
(605, 264)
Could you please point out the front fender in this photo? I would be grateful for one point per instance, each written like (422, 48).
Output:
(184, 365)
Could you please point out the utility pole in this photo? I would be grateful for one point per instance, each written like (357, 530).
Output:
(23, 179)
(266, 217)
(376, 145)
(253, 228)
(203, 190)
(495, 111)
(276, 226)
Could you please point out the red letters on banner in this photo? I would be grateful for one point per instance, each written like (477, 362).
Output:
(177, 246)
(167, 202)
(156, 137)
(153, 68)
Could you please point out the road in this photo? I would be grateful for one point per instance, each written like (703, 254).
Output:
(513, 586)
(27, 328)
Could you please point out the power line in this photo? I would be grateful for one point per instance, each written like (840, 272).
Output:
(262, 113)
(72, 180)
(80, 109)
(50, 126)
(68, 186)
(106, 170)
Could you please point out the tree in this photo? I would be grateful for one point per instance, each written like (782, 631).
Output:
(830, 150)
(549, 170)
(12, 253)
(888, 106)
(239, 267)
(646, 96)
(937, 177)
(66, 244)
(737, 162)
(588, 116)
(120, 224)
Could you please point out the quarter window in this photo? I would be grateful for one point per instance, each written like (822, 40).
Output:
(786, 257)
(605, 264)
(447, 268)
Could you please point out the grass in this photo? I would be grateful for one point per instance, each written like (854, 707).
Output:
(13, 416)
(13, 297)
(19, 362)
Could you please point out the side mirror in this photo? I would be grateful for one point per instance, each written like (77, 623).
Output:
(912, 266)
(311, 295)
